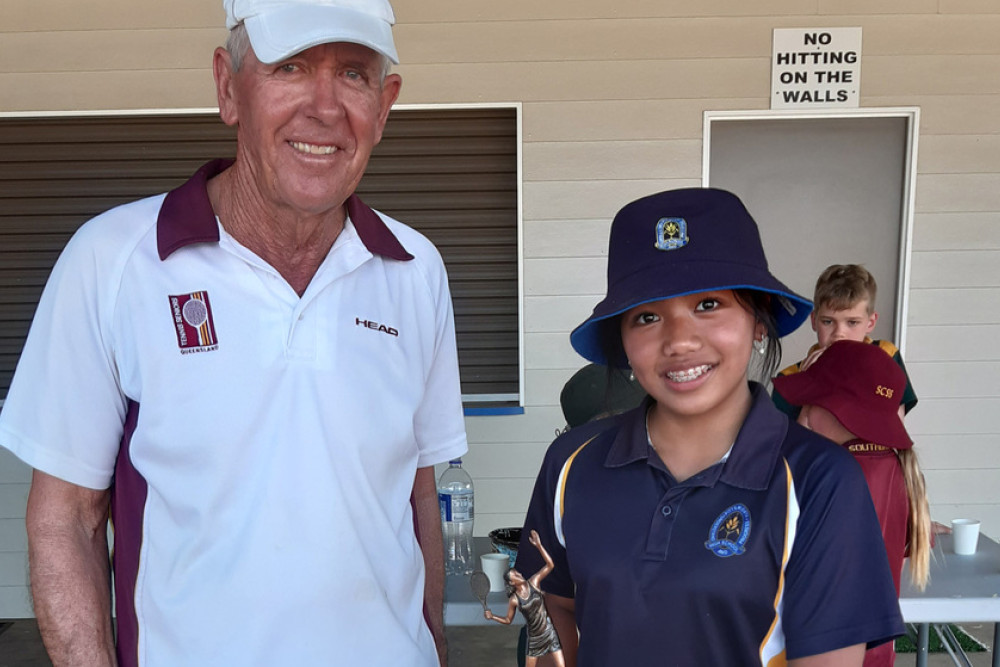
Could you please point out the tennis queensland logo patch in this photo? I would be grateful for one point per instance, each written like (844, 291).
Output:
(671, 233)
(193, 322)
(730, 532)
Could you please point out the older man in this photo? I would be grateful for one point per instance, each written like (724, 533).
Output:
(257, 372)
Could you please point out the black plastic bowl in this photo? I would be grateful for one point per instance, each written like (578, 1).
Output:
(505, 541)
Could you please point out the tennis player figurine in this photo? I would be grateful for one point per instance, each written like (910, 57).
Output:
(524, 594)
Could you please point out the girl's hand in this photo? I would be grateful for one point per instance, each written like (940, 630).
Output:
(488, 614)
(534, 539)
(940, 529)
(811, 359)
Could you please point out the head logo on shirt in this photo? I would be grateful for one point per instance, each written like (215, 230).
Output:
(730, 532)
(193, 323)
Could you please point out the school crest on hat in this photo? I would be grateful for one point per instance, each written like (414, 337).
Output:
(730, 532)
(671, 233)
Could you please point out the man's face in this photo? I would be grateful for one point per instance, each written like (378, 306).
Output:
(306, 126)
(853, 323)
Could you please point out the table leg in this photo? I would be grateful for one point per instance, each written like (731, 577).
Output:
(923, 641)
(996, 638)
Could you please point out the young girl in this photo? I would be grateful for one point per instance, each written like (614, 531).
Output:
(850, 394)
(702, 528)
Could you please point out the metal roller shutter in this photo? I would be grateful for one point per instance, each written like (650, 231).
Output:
(450, 173)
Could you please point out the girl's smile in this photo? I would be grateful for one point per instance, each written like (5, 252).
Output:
(690, 374)
(691, 352)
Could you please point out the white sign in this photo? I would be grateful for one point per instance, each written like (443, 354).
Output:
(815, 68)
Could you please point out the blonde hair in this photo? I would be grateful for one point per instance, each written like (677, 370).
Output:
(842, 286)
(919, 523)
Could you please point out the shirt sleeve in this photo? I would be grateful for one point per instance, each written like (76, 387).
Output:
(541, 518)
(439, 421)
(64, 412)
(779, 401)
(839, 589)
(909, 400)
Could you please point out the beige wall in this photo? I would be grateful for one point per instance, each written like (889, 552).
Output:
(613, 96)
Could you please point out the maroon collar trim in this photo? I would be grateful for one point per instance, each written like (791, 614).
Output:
(373, 232)
(186, 217)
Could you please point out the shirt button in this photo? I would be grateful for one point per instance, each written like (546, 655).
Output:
(666, 510)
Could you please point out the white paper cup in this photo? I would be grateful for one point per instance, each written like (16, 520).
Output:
(965, 536)
(495, 566)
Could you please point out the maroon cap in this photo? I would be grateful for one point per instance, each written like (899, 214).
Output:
(860, 385)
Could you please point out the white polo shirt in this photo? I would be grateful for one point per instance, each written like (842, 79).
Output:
(262, 445)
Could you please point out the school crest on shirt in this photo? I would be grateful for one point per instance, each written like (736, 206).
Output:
(671, 233)
(193, 323)
(730, 532)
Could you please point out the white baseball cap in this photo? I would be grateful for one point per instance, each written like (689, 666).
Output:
(281, 28)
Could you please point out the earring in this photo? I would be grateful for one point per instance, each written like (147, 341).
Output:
(761, 345)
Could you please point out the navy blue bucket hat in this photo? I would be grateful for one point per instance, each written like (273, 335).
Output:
(676, 243)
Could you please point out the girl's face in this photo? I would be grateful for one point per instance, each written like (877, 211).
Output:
(690, 353)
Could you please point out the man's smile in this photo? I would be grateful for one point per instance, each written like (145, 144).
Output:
(312, 149)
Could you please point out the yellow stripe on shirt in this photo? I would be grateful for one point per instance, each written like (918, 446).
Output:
(772, 649)
(560, 494)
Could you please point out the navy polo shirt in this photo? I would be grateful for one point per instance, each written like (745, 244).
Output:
(774, 553)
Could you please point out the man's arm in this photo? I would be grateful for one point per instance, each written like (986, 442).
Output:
(427, 515)
(562, 611)
(849, 656)
(70, 581)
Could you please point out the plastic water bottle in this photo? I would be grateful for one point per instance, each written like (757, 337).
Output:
(457, 499)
